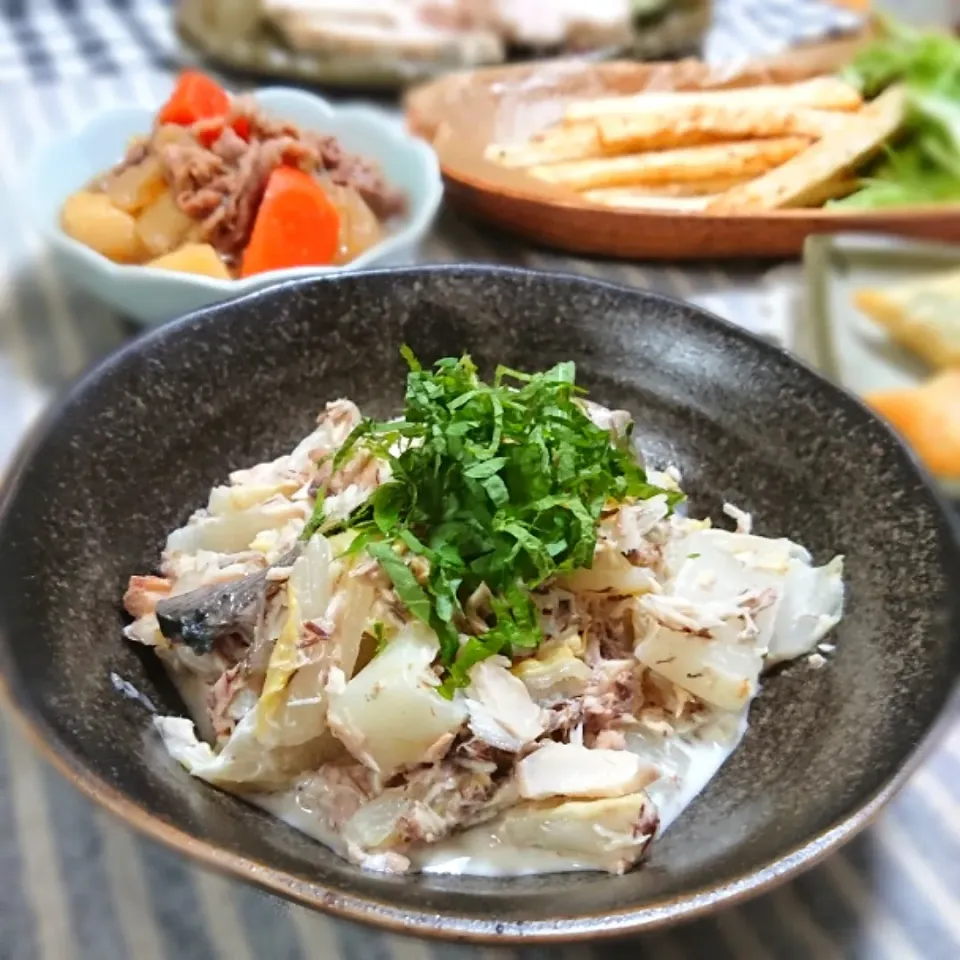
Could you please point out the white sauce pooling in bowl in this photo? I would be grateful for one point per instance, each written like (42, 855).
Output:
(689, 764)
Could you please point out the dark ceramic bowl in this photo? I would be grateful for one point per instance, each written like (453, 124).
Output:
(140, 440)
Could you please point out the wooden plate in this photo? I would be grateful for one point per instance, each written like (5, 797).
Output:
(463, 113)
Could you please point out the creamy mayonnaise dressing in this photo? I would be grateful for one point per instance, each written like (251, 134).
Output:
(193, 691)
(289, 806)
(688, 765)
(480, 852)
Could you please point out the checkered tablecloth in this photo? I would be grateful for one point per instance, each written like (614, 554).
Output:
(74, 884)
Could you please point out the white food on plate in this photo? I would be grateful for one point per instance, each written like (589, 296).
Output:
(434, 29)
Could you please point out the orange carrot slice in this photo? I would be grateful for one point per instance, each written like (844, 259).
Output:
(195, 97)
(296, 225)
(242, 127)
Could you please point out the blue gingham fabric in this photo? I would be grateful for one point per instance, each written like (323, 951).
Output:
(54, 41)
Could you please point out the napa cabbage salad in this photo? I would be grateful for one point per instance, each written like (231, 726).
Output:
(478, 638)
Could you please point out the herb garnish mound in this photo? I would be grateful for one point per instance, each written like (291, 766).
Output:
(499, 484)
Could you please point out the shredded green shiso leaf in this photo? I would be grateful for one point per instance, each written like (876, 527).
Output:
(500, 484)
(923, 165)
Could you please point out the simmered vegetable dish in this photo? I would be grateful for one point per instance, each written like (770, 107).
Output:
(219, 189)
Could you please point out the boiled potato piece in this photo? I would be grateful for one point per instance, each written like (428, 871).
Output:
(136, 187)
(94, 221)
(199, 258)
(390, 714)
(163, 226)
(359, 227)
(170, 134)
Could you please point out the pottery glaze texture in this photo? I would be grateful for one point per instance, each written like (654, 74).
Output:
(137, 445)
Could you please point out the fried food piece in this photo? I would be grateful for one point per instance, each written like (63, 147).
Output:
(576, 142)
(798, 182)
(636, 198)
(921, 315)
(928, 418)
(820, 93)
(743, 159)
(683, 126)
(709, 187)
(710, 123)
(840, 186)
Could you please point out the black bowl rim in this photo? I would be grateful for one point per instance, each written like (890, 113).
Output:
(430, 924)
